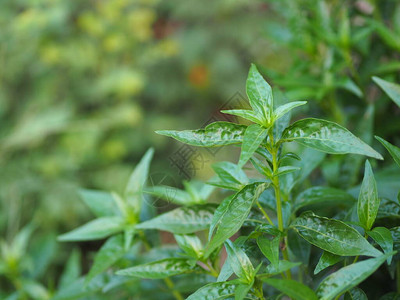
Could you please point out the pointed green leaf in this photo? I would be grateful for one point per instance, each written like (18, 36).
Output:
(101, 203)
(383, 238)
(333, 236)
(94, 230)
(137, 180)
(368, 201)
(322, 194)
(161, 269)
(393, 150)
(260, 94)
(230, 176)
(300, 248)
(215, 290)
(240, 262)
(355, 294)
(253, 137)
(348, 277)
(72, 270)
(231, 214)
(391, 89)
(285, 108)
(213, 135)
(170, 194)
(282, 266)
(292, 288)
(327, 137)
(286, 170)
(327, 259)
(242, 290)
(244, 113)
(270, 248)
(182, 220)
(190, 243)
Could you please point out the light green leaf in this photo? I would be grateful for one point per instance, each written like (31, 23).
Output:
(348, 277)
(182, 220)
(355, 294)
(260, 94)
(270, 248)
(231, 214)
(322, 194)
(327, 259)
(244, 113)
(368, 201)
(134, 188)
(215, 290)
(383, 238)
(170, 194)
(101, 203)
(292, 288)
(161, 269)
(391, 89)
(241, 291)
(280, 111)
(213, 135)
(393, 150)
(112, 250)
(230, 176)
(94, 230)
(191, 244)
(286, 170)
(333, 236)
(253, 137)
(239, 261)
(327, 137)
(72, 270)
(282, 266)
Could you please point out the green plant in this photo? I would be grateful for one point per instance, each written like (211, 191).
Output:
(277, 221)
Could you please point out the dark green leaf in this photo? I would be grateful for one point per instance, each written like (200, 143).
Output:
(292, 288)
(300, 248)
(327, 137)
(215, 290)
(215, 134)
(239, 261)
(348, 277)
(368, 201)
(231, 214)
(160, 269)
(391, 89)
(333, 236)
(282, 266)
(270, 248)
(94, 230)
(182, 220)
(72, 270)
(355, 294)
(327, 259)
(383, 238)
(253, 137)
(393, 150)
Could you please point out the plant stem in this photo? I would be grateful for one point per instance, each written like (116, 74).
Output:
(398, 276)
(265, 214)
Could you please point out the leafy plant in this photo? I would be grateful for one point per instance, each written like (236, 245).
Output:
(268, 227)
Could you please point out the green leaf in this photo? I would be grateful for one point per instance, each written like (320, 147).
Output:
(280, 111)
(101, 203)
(253, 137)
(112, 250)
(333, 236)
(230, 175)
(292, 288)
(300, 248)
(161, 269)
(242, 290)
(94, 230)
(215, 290)
(393, 150)
(327, 259)
(286, 170)
(355, 294)
(322, 194)
(171, 194)
(231, 214)
(239, 261)
(182, 220)
(327, 137)
(391, 89)
(72, 270)
(260, 94)
(348, 277)
(191, 244)
(245, 114)
(134, 188)
(213, 135)
(270, 248)
(282, 266)
(368, 201)
(383, 238)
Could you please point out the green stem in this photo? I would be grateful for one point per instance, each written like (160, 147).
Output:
(265, 213)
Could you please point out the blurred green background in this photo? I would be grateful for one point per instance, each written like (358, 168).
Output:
(84, 85)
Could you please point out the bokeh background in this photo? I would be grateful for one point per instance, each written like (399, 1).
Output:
(84, 85)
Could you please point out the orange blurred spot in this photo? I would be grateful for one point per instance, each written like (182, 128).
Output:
(199, 76)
